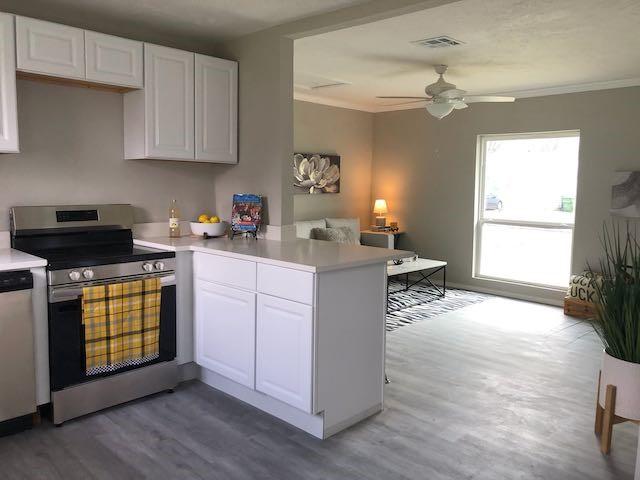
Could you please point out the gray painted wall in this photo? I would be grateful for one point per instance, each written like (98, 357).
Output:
(71, 152)
(348, 133)
(265, 125)
(425, 168)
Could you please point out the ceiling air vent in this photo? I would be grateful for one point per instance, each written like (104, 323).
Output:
(438, 42)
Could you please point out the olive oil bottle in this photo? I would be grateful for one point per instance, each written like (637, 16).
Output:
(174, 219)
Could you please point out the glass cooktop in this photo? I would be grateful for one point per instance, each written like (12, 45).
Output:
(63, 258)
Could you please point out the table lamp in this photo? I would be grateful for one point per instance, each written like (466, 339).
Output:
(380, 208)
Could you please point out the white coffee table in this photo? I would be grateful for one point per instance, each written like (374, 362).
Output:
(424, 267)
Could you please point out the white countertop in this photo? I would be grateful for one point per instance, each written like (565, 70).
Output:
(11, 259)
(308, 255)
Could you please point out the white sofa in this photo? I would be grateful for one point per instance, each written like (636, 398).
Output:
(304, 227)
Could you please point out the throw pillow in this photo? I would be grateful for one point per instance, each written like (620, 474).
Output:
(338, 235)
(351, 223)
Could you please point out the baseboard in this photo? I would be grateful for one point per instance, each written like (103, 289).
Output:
(505, 293)
(546, 300)
(312, 424)
(339, 426)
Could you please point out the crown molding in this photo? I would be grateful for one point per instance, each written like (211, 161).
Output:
(331, 102)
(576, 88)
(540, 92)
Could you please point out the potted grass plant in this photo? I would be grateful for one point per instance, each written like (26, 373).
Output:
(617, 321)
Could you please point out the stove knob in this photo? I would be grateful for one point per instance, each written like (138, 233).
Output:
(147, 267)
(159, 265)
(74, 275)
(88, 274)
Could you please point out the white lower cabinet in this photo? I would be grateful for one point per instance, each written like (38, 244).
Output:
(284, 350)
(261, 341)
(225, 331)
(304, 346)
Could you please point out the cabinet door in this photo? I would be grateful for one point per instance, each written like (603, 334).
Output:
(216, 110)
(49, 48)
(225, 331)
(284, 350)
(113, 60)
(169, 103)
(8, 107)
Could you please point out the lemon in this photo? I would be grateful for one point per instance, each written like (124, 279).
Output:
(203, 218)
(214, 219)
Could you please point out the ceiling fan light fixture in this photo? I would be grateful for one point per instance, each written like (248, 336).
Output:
(440, 109)
(443, 97)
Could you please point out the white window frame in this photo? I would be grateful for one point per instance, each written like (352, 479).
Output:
(480, 221)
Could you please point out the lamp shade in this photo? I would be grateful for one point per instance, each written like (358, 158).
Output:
(380, 206)
(439, 109)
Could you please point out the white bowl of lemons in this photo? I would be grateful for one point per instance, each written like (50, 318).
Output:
(211, 226)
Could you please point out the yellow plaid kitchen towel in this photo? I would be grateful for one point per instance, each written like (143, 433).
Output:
(121, 324)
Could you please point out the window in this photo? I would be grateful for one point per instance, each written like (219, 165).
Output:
(526, 199)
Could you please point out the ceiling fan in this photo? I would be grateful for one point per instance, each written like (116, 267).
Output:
(443, 97)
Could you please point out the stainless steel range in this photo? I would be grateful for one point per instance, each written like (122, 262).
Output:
(92, 246)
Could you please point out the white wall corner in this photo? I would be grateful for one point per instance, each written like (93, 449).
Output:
(281, 233)
(5, 240)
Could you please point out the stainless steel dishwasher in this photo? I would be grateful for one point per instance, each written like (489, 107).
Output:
(17, 365)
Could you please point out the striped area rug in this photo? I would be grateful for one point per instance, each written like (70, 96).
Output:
(419, 303)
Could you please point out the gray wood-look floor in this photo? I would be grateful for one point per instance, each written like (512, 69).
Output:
(497, 390)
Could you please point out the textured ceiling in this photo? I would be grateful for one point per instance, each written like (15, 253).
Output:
(189, 21)
(522, 46)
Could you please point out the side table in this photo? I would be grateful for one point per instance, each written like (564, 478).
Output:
(384, 239)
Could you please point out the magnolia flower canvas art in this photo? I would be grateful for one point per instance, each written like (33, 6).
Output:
(316, 173)
(625, 194)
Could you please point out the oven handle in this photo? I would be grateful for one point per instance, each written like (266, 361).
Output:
(73, 292)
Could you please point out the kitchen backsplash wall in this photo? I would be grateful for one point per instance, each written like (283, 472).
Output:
(71, 153)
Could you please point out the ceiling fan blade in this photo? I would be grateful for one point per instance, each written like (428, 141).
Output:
(409, 98)
(424, 100)
(487, 98)
(453, 93)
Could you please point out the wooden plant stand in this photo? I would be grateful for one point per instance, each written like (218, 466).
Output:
(606, 417)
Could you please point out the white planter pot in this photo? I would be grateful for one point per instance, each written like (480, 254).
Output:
(626, 377)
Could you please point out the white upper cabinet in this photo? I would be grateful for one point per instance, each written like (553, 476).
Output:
(178, 105)
(8, 107)
(159, 120)
(113, 60)
(169, 102)
(284, 350)
(216, 91)
(49, 48)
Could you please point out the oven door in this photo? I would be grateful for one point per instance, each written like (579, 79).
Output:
(67, 363)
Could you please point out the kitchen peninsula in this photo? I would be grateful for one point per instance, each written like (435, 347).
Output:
(294, 328)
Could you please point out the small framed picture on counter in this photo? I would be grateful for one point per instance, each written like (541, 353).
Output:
(246, 213)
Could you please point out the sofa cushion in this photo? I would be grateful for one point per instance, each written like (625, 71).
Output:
(338, 235)
(303, 228)
(351, 223)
